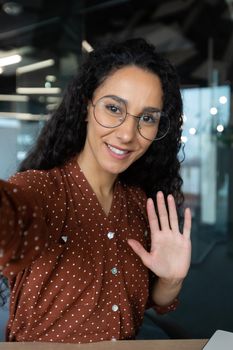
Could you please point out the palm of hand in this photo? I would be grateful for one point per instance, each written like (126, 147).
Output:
(170, 254)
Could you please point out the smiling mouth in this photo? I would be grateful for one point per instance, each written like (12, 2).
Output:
(117, 150)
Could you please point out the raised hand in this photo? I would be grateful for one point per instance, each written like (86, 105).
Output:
(170, 254)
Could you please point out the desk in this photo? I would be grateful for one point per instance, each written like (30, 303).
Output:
(187, 344)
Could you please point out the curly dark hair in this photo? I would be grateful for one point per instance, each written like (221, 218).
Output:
(64, 134)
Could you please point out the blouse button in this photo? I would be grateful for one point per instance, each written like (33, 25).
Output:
(114, 270)
(115, 307)
(110, 235)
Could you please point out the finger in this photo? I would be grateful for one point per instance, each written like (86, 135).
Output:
(163, 216)
(152, 216)
(187, 223)
(140, 251)
(173, 218)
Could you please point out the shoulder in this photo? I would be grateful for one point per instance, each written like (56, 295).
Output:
(45, 188)
(30, 179)
(40, 181)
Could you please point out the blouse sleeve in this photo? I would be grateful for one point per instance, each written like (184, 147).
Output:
(23, 232)
(151, 304)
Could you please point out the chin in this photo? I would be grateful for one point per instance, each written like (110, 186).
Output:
(115, 169)
(118, 171)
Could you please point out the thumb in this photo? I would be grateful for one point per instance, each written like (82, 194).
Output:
(140, 251)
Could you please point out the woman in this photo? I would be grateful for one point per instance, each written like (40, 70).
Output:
(82, 246)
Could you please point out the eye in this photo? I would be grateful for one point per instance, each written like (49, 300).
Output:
(149, 119)
(112, 108)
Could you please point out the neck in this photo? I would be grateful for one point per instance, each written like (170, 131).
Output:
(102, 183)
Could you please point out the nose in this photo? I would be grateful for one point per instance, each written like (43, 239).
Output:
(128, 129)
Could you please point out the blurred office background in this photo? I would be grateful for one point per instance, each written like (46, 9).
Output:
(41, 45)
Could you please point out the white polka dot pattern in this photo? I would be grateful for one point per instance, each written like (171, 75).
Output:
(73, 276)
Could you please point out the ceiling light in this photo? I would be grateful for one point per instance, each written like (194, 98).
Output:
(53, 99)
(35, 66)
(47, 84)
(51, 78)
(220, 128)
(223, 100)
(23, 116)
(14, 98)
(192, 131)
(86, 46)
(51, 107)
(184, 139)
(213, 110)
(6, 61)
(12, 8)
(35, 91)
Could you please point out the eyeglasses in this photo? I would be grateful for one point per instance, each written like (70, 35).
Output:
(111, 112)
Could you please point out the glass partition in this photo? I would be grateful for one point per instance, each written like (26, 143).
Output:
(17, 136)
(204, 169)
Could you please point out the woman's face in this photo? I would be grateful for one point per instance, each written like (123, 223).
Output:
(113, 150)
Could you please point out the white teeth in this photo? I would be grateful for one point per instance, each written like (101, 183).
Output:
(116, 150)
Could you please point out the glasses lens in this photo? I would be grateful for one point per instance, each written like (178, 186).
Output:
(153, 125)
(110, 112)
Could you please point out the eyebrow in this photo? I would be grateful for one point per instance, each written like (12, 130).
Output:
(121, 99)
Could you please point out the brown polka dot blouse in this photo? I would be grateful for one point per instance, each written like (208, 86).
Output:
(73, 277)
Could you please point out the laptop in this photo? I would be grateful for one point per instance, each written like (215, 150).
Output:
(220, 340)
